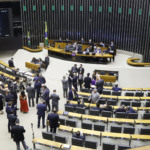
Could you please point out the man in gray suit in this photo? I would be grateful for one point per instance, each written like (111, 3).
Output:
(55, 98)
(99, 85)
(31, 94)
(65, 86)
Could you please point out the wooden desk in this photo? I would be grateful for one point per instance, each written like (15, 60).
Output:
(7, 75)
(116, 135)
(147, 147)
(65, 128)
(6, 65)
(121, 120)
(142, 121)
(74, 115)
(39, 49)
(146, 89)
(97, 118)
(145, 98)
(79, 148)
(131, 62)
(108, 78)
(32, 66)
(132, 89)
(128, 97)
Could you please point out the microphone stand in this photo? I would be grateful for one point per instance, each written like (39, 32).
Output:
(33, 135)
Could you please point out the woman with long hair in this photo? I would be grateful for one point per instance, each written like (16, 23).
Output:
(23, 102)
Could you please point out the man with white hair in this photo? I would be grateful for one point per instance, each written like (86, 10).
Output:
(99, 85)
(94, 96)
(73, 94)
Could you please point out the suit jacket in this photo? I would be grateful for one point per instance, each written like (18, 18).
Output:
(71, 95)
(42, 80)
(53, 119)
(81, 70)
(116, 89)
(31, 92)
(41, 109)
(1, 102)
(12, 119)
(45, 94)
(74, 69)
(47, 60)
(65, 84)
(55, 98)
(37, 86)
(17, 133)
(11, 63)
(99, 85)
(36, 78)
(75, 80)
(10, 97)
(87, 82)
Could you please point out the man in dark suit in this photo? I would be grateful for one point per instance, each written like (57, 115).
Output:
(55, 98)
(45, 96)
(46, 61)
(9, 97)
(70, 79)
(82, 40)
(53, 121)
(74, 69)
(79, 104)
(65, 86)
(73, 94)
(120, 109)
(75, 81)
(79, 135)
(36, 78)
(41, 108)
(99, 85)
(42, 79)
(11, 63)
(17, 132)
(37, 87)
(31, 94)
(87, 81)
(81, 69)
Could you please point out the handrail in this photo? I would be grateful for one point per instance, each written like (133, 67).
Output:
(131, 62)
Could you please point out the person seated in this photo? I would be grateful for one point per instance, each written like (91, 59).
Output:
(106, 107)
(112, 45)
(130, 110)
(67, 40)
(116, 88)
(34, 60)
(82, 41)
(120, 109)
(2, 77)
(93, 81)
(60, 39)
(88, 49)
(97, 107)
(79, 135)
(97, 50)
(94, 96)
(73, 94)
(102, 44)
(68, 103)
(79, 104)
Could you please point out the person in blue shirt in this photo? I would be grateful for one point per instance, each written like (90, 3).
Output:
(97, 50)
(116, 88)
(36, 77)
(130, 110)
(42, 79)
(79, 135)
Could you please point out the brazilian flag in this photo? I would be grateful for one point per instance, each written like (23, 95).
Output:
(29, 41)
(46, 38)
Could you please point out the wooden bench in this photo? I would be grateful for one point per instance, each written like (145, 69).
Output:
(108, 78)
(131, 62)
(32, 66)
(33, 50)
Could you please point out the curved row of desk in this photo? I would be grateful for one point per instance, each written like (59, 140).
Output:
(39, 49)
(131, 61)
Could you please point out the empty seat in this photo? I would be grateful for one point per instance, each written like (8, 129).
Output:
(147, 104)
(126, 103)
(69, 108)
(129, 130)
(106, 113)
(85, 90)
(106, 92)
(111, 73)
(107, 146)
(120, 115)
(47, 135)
(115, 129)
(148, 94)
(77, 142)
(139, 94)
(136, 104)
(146, 116)
(62, 121)
(116, 93)
(94, 112)
(86, 99)
(80, 110)
(121, 147)
(86, 125)
(129, 94)
(71, 123)
(102, 101)
(99, 127)
(60, 139)
(90, 144)
(132, 115)
(145, 131)
(112, 102)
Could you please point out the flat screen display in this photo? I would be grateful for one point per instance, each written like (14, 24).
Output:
(5, 22)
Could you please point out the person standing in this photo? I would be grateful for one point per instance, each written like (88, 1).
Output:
(37, 87)
(55, 98)
(73, 94)
(1, 103)
(41, 108)
(80, 79)
(99, 85)
(11, 63)
(81, 69)
(42, 79)
(23, 102)
(94, 96)
(46, 61)
(74, 69)
(87, 81)
(31, 94)
(70, 78)
(53, 120)
(45, 96)
(75, 81)
(65, 86)
(17, 133)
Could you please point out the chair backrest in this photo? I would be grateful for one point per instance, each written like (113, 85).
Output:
(145, 131)
(86, 99)
(77, 142)
(112, 102)
(106, 92)
(69, 108)
(107, 146)
(121, 147)
(80, 110)
(120, 115)
(148, 94)
(126, 103)
(129, 130)
(47, 135)
(146, 116)
(115, 129)
(136, 104)
(60, 139)
(129, 94)
(116, 93)
(62, 121)
(94, 112)
(71, 123)
(147, 104)
(90, 144)
(99, 127)
(139, 94)
(132, 115)
(102, 101)
(86, 126)
(106, 113)
(85, 90)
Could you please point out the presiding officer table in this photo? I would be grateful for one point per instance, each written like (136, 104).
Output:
(61, 53)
